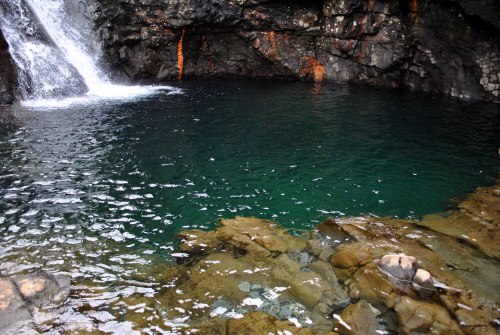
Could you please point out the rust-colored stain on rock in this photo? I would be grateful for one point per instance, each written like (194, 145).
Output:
(273, 52)
(414, 10)
(180, 56)
(312, 69)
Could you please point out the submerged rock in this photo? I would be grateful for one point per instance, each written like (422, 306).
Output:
(381, 276)
(477, 223)
(357, 319)
(261, 323)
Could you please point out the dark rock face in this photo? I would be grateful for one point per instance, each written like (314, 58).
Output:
(434, 46)
(7, 73)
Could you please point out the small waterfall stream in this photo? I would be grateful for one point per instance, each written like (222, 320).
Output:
(43, 71)
(62, 28)
(55, 52)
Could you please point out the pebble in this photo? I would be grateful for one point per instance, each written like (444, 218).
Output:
(244, 286)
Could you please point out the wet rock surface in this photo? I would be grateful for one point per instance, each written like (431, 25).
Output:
(438, 46)
(21, 296)
(358, 275)
(7, 73)
(348, 276)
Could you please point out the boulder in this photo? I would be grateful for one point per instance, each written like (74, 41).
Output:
(357, 319)
(421, 317)
(400, 268)
(423, 283)
(14, 311)
(21, 295)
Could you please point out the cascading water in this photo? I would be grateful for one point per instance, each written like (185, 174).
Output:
(55, 52)
(42, 69)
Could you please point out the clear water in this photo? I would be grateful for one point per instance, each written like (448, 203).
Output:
(85, 183)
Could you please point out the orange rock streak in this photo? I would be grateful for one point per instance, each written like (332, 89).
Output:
(312, 69)
(414, 10)
(180, 56)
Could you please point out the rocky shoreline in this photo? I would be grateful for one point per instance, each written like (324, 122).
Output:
(362, 275)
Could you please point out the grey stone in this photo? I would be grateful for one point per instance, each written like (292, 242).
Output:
(256, 287)
(285, 313)
(255, 295)
(221, 303)
(14, 312)
(305, 259)
(244, 286)
(271, 309)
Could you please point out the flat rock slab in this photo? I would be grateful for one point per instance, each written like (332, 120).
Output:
(19, 295)
(13, 309)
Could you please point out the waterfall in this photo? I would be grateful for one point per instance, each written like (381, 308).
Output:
(55, 52)
(42, 69)
(62, 28)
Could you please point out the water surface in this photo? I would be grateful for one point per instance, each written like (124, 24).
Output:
(111, 183)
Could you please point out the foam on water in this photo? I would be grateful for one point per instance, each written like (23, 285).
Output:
(105, 92)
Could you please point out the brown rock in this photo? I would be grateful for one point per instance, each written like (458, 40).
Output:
(306, 287)
(420, 317)
(339, 297)
(13, 311)
(478, 222)
(197, 242)
(352, 255)
(255, 235)
(357, 319)
(371, 285)
(7, 294)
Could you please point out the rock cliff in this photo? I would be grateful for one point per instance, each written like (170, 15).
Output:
(435, 46)
(444, 46)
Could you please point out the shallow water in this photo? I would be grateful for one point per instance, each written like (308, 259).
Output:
(100, 190)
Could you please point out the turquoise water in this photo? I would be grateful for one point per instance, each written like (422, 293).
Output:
(134, 173)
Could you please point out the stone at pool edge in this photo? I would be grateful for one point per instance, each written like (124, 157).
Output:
(20, 294)
(14, 312)
(357, 319)
(404, 272)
